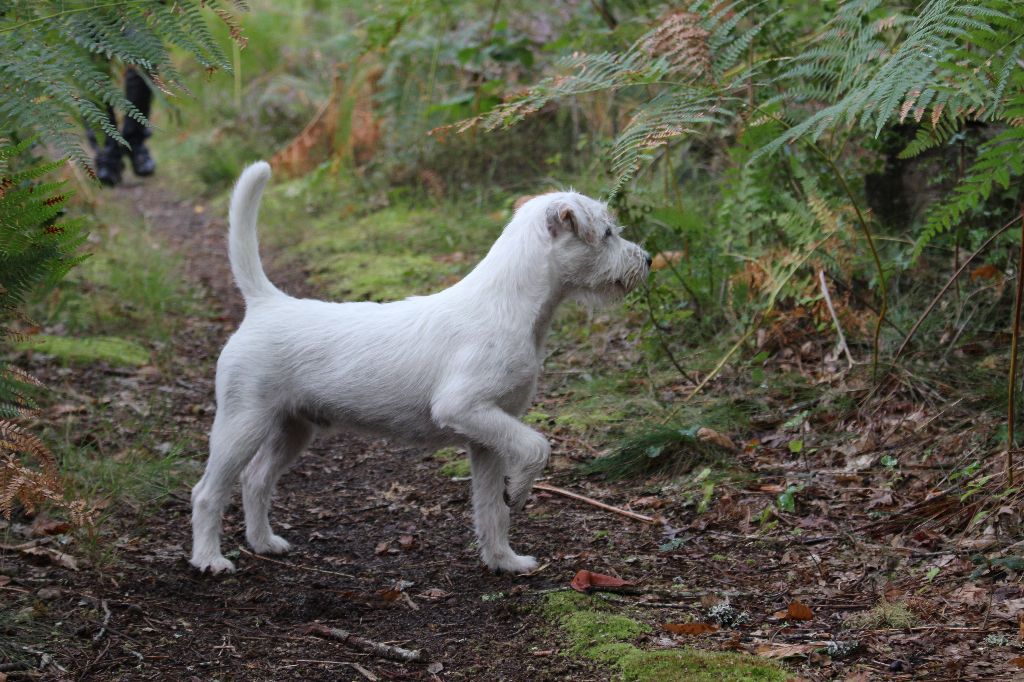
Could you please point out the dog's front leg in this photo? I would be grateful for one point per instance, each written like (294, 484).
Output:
(491, 514)
(526, 452)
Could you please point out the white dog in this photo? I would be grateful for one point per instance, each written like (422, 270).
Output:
(455, 368)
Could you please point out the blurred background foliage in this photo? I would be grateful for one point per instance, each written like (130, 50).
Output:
(798, 169)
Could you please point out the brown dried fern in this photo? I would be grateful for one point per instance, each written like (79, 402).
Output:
(31, 486)
(682, 42)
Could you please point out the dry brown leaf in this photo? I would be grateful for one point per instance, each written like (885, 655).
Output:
(43, 525)
(690, 628)
(1019, 661)
(798, 611)
(434, 594)
(406, 542)
(53, 556)
(720, 439)
(584, 581)
(382, 547)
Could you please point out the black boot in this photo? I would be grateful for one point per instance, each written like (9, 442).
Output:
(109, 165)
(142, 163)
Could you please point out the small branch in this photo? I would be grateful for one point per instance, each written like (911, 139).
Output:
(106, 621)
(243, 550)
(942, 292)
(591, 501)
(1011, 399)
(835, 318)
(388, 651)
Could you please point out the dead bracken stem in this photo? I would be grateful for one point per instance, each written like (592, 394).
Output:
(1011, 399)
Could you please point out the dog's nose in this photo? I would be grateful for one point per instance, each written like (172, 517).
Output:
(647, 257)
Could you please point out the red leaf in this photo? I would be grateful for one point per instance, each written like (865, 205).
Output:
(587, 580)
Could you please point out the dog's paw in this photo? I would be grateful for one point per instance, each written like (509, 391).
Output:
(272, 544)
(213, 565)
(509, 562)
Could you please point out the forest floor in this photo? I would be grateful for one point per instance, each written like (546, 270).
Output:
(383, 547)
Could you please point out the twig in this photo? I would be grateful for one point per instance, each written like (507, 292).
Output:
(388, 651)
(942, 292)
(243, 550)
(835, 318)
(1011, 390)
(591, 501)
(106, 621)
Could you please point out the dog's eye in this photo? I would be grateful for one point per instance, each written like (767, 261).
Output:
(608, 233)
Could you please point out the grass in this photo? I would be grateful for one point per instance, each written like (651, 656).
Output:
(593, 631)
(129, 286)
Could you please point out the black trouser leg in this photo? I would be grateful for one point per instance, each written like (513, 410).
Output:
(137, 92)
(108, 159)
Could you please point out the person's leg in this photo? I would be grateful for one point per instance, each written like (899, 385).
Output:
(138, 93)
(108, 159)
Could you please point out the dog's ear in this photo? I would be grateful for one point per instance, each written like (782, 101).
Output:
(562, 218)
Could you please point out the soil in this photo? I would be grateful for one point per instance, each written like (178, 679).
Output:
(383, 547)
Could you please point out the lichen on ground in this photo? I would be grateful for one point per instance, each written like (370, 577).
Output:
(884, 615)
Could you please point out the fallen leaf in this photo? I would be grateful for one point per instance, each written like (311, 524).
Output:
(1019, 661)
(43, 526)
(390, 595)
(382, 547)
(690, 628)
(720, 439)
(4, 579)
(798, 611)
(784, 650)
(584, 581)
(435, 667)
(434, 594)
(650, 501)
(53, 556)
(406, 541)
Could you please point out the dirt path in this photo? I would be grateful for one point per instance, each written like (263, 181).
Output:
(384, 548)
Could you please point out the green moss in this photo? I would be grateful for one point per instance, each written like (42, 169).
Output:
(594, 632)
(885, 615)
(693, 665)
(368, 276)
(457, 469)
(111, 349)
(589, 630)
(564, 603)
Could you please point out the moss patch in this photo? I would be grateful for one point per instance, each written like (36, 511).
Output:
(111, 349)
(693, 665)
(375, 277)
(596, 633)
(457, 469)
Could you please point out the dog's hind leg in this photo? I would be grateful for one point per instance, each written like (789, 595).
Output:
(278, 452)
(234, 441)
(491, 514)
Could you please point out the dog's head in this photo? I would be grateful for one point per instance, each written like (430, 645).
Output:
(591, 259)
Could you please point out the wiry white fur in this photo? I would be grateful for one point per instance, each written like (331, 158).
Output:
(455, 368)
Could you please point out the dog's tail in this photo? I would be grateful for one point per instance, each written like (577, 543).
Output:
(243, 246)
